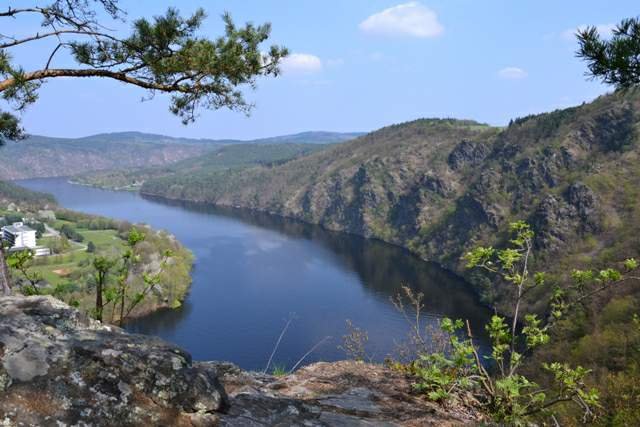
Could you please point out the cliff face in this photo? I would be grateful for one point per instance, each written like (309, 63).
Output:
(439, 186)
(60, 368)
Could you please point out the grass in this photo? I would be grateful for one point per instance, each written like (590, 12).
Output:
(76, 259)
(279, 371)
(103, 239)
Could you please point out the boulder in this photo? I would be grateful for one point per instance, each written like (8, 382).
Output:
(58, 367)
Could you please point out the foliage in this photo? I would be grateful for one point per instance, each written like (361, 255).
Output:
(185, 172)
(71, 233)
(22, 261)
(279, 371)
(615, 61)
(9, 127)
(91, 247)
(354, 342)
(102, 266)
(440, 375)
(162, 55)
(22, 196)
(509, 395)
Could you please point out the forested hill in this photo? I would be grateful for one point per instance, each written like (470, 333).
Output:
(197, 169)
(40, 156)
(439, 186)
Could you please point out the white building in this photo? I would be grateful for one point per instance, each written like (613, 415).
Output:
(19, 235)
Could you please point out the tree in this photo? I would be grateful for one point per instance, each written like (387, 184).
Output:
(162, 55)
(102, 265)
(615, 61)
(22, 261)
(71, 233)
(509, 396)
(91, 247)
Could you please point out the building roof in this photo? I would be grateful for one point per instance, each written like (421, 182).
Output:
(17, 227)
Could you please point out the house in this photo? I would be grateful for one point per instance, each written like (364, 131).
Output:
(19, 235)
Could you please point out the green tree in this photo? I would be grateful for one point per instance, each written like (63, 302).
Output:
(102, 266)
(162, 55)
(509, 395)
(615, 61)
(165, 54)
(22, 261)
(71, 233)
(91, 247)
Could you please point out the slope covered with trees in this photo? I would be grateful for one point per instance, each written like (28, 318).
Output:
(438, 186)
(226, 157)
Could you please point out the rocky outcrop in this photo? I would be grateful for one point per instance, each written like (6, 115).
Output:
(333, 394)
(467, 153)
(560, 219)
(58, 367)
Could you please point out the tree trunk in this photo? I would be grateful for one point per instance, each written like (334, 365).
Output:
(5, 284)
(99, 299)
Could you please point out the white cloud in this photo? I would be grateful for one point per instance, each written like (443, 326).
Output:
(301, 63)
(409, 19)
(605, 30)
(512, 73)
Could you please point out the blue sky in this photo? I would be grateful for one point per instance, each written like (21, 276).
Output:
(357, 65)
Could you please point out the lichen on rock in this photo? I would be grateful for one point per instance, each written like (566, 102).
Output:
(58, 367)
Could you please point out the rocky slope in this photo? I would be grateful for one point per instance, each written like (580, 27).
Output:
(60, 368)
(439, 186)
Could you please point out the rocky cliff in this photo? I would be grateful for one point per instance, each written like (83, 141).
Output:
(439, 186)
(60, 368)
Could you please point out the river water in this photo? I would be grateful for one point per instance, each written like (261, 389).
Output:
(254, 272)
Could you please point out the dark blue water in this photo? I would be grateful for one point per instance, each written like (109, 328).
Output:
(253, 271)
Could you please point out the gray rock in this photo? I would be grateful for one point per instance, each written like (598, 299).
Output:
(56, 365)
(467, 153)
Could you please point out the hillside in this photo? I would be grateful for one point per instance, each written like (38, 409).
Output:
(41, 156)
(439, 186)
(47, 157)
(226, 157)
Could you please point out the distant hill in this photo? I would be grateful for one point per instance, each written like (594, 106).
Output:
(42, 156)
(231, 157)
(312, 137)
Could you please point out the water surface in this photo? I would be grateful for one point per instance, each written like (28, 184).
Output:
(254, 271)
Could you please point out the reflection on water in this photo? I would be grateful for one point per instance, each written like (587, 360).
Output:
(254, 270)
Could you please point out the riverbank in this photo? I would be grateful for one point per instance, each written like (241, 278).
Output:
(74, 240)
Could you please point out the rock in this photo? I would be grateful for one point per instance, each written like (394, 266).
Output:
(586, 204)
(467, 153)
(344, 393)
(551, 222)
(58, 366)
(557, 220)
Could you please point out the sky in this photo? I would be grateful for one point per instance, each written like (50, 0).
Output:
(355, 65)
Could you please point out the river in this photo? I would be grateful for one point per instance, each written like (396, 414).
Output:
(254, 272)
